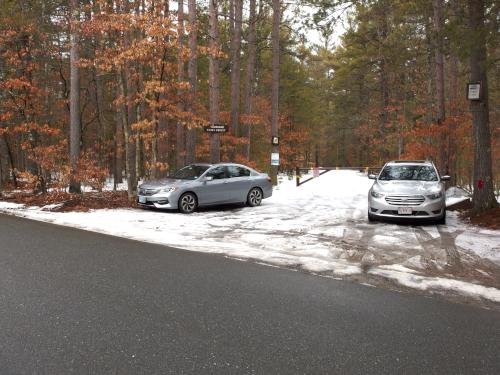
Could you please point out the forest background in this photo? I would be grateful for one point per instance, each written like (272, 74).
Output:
(96, 88)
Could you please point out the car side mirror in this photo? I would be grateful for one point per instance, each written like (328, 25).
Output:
(208, 178)
(445, 178)
(372, 176)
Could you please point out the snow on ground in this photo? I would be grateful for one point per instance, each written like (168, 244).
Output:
(320, 227)
(456, 195)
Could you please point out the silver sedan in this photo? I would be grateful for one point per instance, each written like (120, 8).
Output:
(408, 189)
(204, 185)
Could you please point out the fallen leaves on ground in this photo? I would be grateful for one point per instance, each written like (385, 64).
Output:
(66, 202)
(487, 219)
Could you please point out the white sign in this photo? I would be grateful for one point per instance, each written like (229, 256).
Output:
(275, 158)
(474, 91)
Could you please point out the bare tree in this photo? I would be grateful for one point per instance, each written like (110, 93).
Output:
(193, 76)
(453, 90)
(214, 79)
(128, 83)
(118, 142)
(382, 33)
(439, 65)
(275, 79)
(180, 137)
(483, 196)
(250, 77)
(236, 66)
(75, 121)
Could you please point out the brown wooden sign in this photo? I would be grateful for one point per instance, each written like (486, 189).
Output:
(215, 128)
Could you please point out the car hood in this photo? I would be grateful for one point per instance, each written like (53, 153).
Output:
(407, 187)
(156, 184)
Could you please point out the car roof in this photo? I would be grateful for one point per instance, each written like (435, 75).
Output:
(227, 164)
(202, 164)
(220, 164)
(427, 162)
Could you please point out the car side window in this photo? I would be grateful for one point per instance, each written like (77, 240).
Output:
(236, 171)
(244, 172)
(217, 173)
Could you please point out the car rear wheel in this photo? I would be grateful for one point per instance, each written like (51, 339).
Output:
(254, 197)
(188, 203)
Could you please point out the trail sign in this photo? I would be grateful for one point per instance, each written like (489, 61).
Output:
(275, 158)
(215, 128)
(474, 91)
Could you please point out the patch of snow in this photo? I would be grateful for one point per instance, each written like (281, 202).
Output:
(10, 206)
(455, 191)
(416, 281)
(415, 262)
(50, 207)
(455, 195)
(483, 242)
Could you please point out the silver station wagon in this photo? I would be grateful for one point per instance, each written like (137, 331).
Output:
(199, 185)
(408, 189)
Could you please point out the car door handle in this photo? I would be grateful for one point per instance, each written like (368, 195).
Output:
(226, 182)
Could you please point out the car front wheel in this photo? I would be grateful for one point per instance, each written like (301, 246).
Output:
(254, 197)
(371, 217)
(188, 203)
(442, 219)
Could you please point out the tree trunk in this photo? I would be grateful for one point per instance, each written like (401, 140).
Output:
(101, 118)
(180, 138)
(9, 159)
(236, 67)
(118, 149)
(382, 31)
(483, 196)
(128, 141)
(250, 77)
(439, 66)
(452, 126)
(214, 79)
(231, 19)
(75, 121)
(161, 141)
(193, 76)
(130, 149)
(275, 80)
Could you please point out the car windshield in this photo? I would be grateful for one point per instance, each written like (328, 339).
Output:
(191, 172)
(408, 173)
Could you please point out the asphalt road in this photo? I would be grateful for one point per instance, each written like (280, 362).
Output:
(75, 302)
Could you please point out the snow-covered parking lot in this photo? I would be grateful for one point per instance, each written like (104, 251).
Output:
(319, 227)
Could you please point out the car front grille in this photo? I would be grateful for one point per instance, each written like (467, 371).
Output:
(148, 192)
(395, 212)
(405, 200)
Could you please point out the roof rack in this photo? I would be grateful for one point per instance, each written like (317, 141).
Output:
(411, 161)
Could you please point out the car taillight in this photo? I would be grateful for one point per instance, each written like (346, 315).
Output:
(269, 179)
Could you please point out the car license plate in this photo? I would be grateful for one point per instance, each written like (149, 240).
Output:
(142, 199)
(405, 211)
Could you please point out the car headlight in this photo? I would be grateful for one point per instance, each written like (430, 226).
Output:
(376, 194)
(434, 196)
(168, 189)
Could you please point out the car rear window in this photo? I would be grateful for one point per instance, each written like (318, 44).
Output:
(237, 171)
(217, 173)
